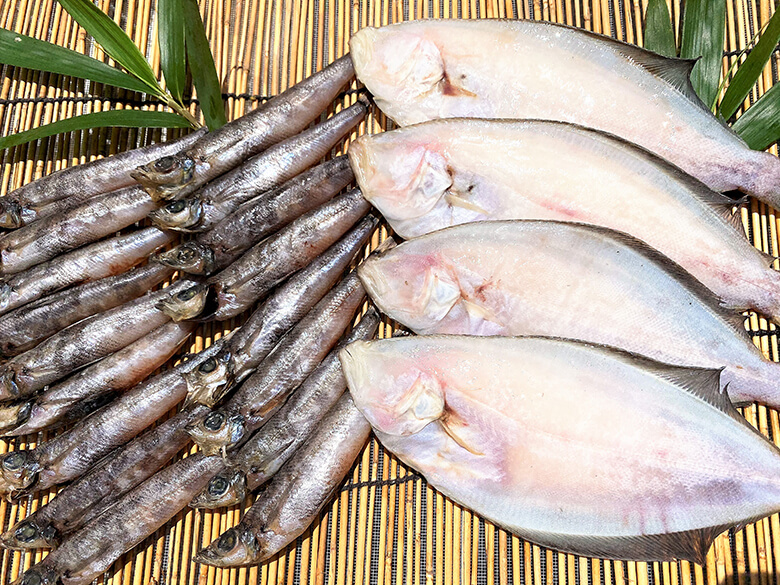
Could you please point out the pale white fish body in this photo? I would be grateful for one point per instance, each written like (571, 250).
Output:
(573, 446)
(430, 69)
(446, 172)
(570, 280)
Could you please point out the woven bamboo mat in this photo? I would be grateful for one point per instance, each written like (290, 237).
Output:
(386, 527)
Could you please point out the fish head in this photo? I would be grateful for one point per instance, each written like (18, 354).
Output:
(5, 295)
(404, 179)
(217, 431)
(418, 290)
(224, 489)
(236, 546)
(166, 176)
(182, 215)
(398, 65)
(15, 415)
(18, 470)
(190, 257)
(185, 304)
(29, 534)
(40, 574)
(10, 213)
(395, 395)
(9, 389)
(208, 383)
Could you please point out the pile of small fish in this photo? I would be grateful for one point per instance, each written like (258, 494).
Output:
(597, 416)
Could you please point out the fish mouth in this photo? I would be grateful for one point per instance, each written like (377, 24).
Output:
(9, 389)
(185, 304)
(216, 432)
(10, 214)
(225, 489)
(28, 534)
(14, 415)
(166, 176)
(38, 575)
(235, 547)
(361, 49)
(182, 215)
(18, 471)
(190, 257)
(209, 382)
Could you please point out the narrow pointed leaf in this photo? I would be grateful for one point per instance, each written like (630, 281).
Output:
(204, 72)
(704, 29)
(113, 39)
(170, 36)
(659, 31)
(759, 126)
(23, 51)
(748, 72)
(123, 118)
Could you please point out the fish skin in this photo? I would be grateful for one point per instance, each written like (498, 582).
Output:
(296, 495)
(74, 452)
(25, 327)
(90, 551)
(119, 371)
(279, 163)
(82, 182)
(82, 343)
(570, 280)
(554, 438)
(434, 175)
(430, 69)
(90, 495)
(278, 439)
(285, 307)
(237, 287)
(281, 117)
(100, 216)
(216, 248)
(296, 355)
(99, 260)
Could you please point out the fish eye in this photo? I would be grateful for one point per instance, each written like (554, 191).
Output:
(218, 486)
(214, 421)
(176, 206)
(26, 532)
(187, 294)
(13, 461)
(227, 541)
(208, 366)
(166, 163)
(31, 578)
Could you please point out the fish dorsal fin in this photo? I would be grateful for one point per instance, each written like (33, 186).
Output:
(708, 298)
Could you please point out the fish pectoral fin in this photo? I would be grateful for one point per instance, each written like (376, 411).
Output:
(689, 545)
(458, 201)
(450, 89)
(454, 426)
(480, 312)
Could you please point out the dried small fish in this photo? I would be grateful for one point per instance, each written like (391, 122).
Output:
(296, 495)
(440, 173)
(98, 260)
(268, 449)
(266, 264)
(173, 177)
(630, 458)
(281, 162)
(83, 224)
(525, 69)
(276, 316)
(26, 326)
(83, 343)
(286, 367)
(93, 493)
(90, 551)
(251, 222)
(119, 371)
(74, 452)
(81, 182)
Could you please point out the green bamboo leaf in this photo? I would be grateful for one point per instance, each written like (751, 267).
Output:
(123, 118)
(704, 29)
(748, 73)
(113, 39)
(23, 51)
(659, 31)
(204, 72)
(170, 36)
(759, 126)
